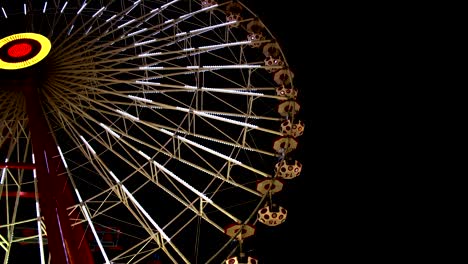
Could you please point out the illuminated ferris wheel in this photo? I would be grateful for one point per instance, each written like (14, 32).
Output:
(141, 131)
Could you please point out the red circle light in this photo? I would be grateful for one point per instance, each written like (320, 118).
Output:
(19, 50)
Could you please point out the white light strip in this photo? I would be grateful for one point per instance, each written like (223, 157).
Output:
(99, 11)
(70, 30)
(126, 23)
(217, 46)
(151, 68)
(161, 167)
(137, 204)
(109, 130)
(137, 32)
(143, 82)
(140, 99)
(81, 9)
(88, 218)
(38, 213)
(4, 13)
(209, 150)
(199, 49)
(149, 54)
(112, 17)
(126, 114)
(208, 67)
(209, 7)
(130, 10)
(211, 27)
(241, 66)
(63, 158)
(225, 119)
(39, 231)
(145, 42)
(201, 10)
(104, 254)
(115, 177)
(87, 145)
(184, 109)
(45, 7)
(78, 195)
(166, 132)
(64, 5)
(230, 91)
(89, 29)
(144, 155)
(168, 4)
(25, 9)
(146, 214)
(3, 173)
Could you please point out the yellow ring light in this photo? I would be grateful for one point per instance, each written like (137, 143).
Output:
(23, 50)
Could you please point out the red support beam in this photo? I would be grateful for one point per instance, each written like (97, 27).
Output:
(17, 165)
(67, 244)
(21, 194)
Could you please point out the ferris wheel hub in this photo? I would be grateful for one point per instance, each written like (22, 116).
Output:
(23, 50)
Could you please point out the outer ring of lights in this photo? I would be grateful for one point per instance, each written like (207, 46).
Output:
(44, 48)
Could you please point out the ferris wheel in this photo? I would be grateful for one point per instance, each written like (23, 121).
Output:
(143, 131)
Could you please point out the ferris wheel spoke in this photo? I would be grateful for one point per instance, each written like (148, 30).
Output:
(95, 13)
(173, 176)
(130, 199)
(99, 59)
(179, 71)
(207, 114)
(180, 36)
(198, 146)
(158, 57)
(112, 21)
(213, 172)
(70, 24)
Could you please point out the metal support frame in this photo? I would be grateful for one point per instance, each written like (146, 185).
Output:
(67, 244)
